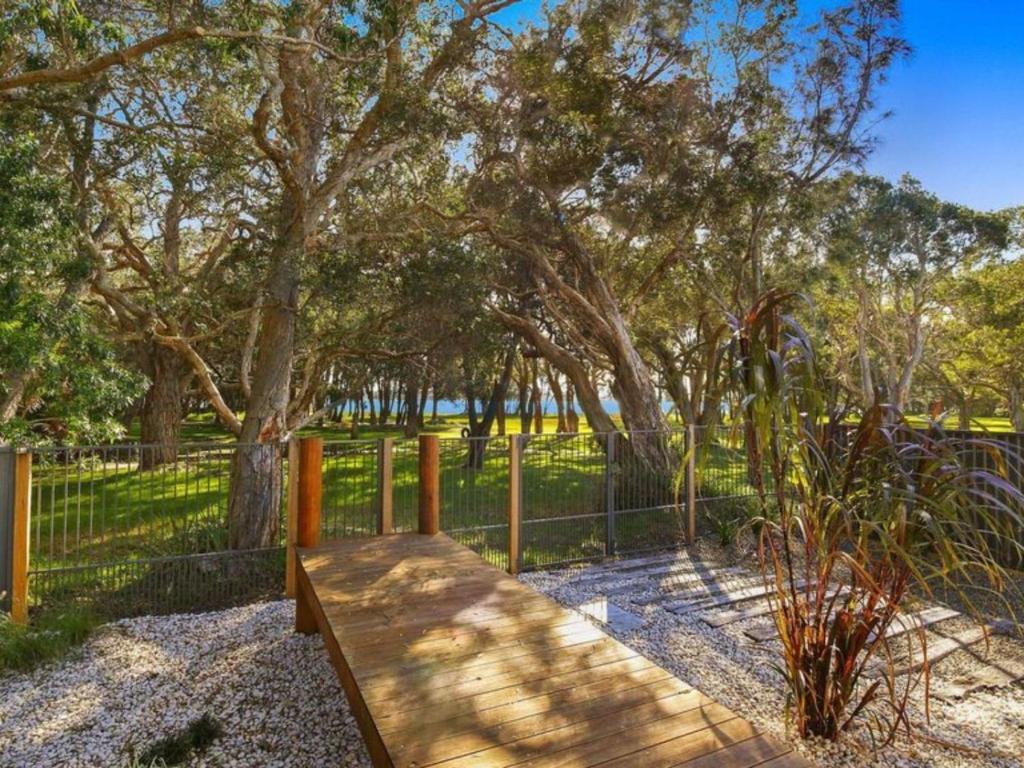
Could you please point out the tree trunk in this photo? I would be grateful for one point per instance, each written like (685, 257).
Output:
(162, 407)
(1015, 401)
(525, 417)
(412, 418)
(572, 419)
(255, 495)
(559, 396)
(537, 400)
(867, 385)
(421, 411)
(495, 405)
(17, 383)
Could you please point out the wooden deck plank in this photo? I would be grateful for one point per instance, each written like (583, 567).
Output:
(450, 662)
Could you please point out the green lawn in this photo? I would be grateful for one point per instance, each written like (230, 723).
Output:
(100, 522)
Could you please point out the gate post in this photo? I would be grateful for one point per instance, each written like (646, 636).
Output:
(430, 496)
(515, 503)
(307, 528)
(20, 536)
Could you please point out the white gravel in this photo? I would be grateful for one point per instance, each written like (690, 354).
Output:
(277, 697)
(984, 730)
(274, 692)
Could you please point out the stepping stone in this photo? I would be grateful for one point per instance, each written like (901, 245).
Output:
(900, 626)
(722, 618)
(602, 611)
(617, 568)
(942, 648)
(669, 574)
(718, 598)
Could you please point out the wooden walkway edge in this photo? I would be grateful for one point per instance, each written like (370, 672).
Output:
(447, 661)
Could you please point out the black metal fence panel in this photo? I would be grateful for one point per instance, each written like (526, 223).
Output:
(115, 527)
(474, 487)
(131, 535)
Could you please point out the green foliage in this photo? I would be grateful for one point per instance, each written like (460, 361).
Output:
(193, 739)
(73, 382)
(50, 636)
(862, 518)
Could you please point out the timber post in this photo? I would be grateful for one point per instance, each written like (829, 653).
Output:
(429, 491)
(20, 536)
(515, 503)
(307, 529)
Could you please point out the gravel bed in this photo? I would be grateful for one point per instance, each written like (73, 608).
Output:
(986, 729)
(136, 681)
(277, 698)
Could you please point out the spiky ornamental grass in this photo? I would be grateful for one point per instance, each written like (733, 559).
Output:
(854, 519)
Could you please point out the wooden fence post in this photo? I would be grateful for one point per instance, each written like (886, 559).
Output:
(311, 458)
(307, 528)
(515, 502)
(385, 486)
(691, 485)
(430, 496)
(292, 517)
(20, 536)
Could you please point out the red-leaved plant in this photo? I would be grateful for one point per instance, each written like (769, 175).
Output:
(854, 518)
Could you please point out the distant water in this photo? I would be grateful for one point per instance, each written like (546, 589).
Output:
(458, 407)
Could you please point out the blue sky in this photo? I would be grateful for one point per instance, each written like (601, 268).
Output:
(958, 101)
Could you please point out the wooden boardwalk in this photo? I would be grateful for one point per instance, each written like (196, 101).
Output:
(448, 661)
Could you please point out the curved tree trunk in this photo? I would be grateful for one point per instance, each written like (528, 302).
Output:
(412, 418)
(559, 397)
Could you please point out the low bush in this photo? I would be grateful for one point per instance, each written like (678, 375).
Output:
(49, 637)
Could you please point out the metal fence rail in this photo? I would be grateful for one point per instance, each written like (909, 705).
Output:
(112, 527)
(133, 536)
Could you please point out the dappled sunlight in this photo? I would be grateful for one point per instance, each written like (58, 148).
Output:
(457, 662)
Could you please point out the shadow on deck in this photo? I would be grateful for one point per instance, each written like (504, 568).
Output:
(448, 661)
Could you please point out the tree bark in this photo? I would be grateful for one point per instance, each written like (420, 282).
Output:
(572, 419)
(254, 499)
(559, 397)
(162, 406)
(412, 418)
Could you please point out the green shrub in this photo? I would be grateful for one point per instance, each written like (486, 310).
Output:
(49, 637)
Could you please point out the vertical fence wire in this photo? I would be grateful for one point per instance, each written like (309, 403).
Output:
(649, 490)
(564, 515)
(138, 529)
(474, 495)
(351, 497)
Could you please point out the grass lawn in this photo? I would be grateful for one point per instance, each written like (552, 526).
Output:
(100, 524)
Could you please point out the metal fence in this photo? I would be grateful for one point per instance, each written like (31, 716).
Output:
(111, 528)
(131, 536)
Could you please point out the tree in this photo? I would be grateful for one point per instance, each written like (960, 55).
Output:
(890, 247)
(981, 338)
(59, 378)
(612, 153)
